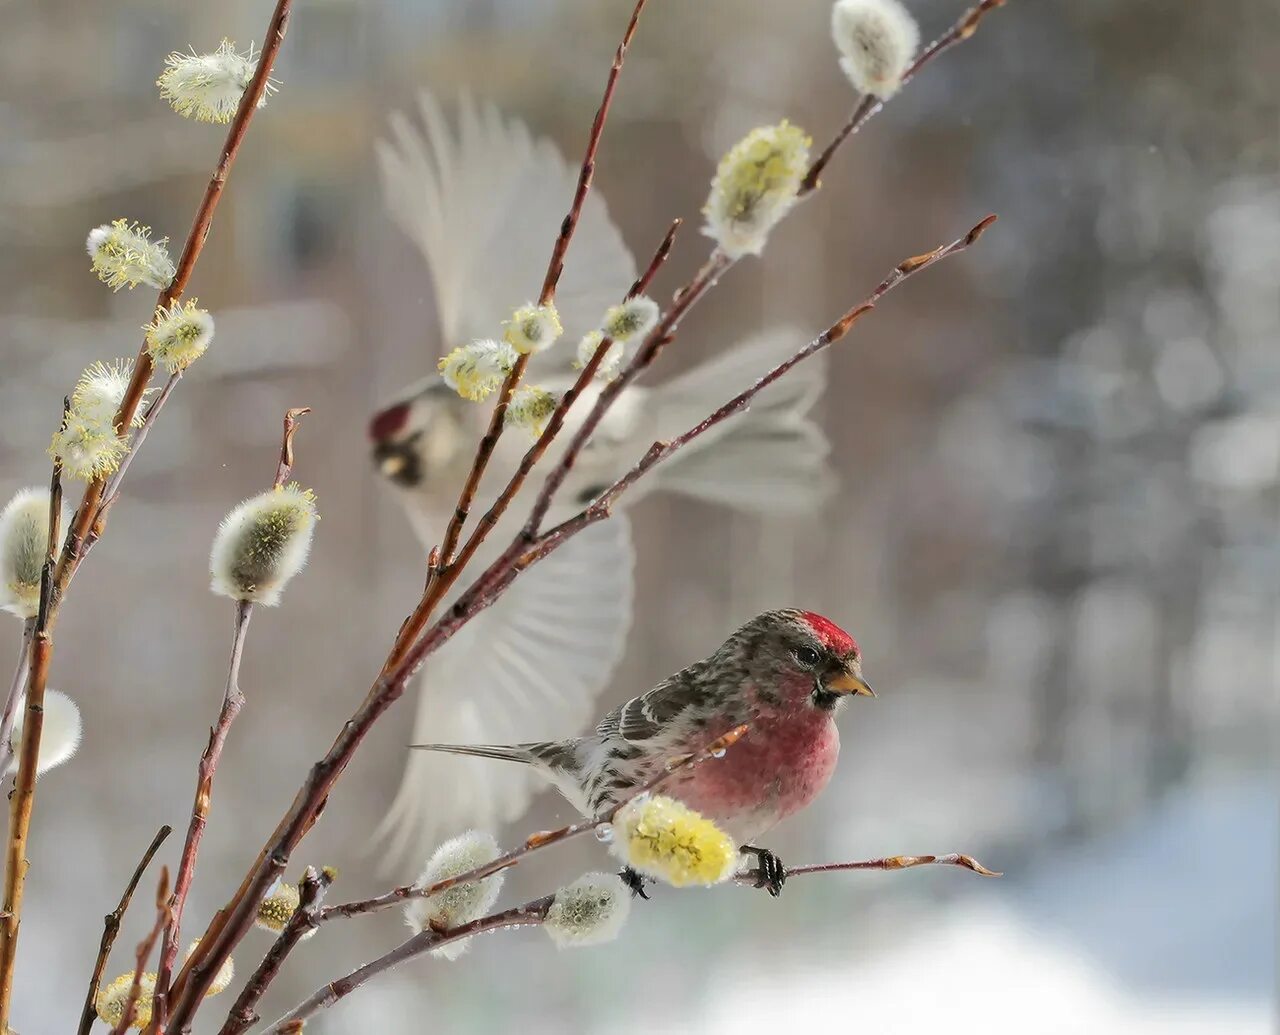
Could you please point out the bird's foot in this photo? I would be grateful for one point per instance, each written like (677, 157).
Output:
(635, 881)
(770, 873)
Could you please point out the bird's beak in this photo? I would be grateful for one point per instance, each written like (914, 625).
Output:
(848, 683)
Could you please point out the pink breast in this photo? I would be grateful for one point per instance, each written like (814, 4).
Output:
(778, 768)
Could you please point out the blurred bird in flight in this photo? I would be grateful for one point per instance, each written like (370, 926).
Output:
(482, 199)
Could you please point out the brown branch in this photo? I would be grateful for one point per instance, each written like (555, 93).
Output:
(870, 105)
(111, 927)
(87, 517)
(570, 224)
(232, 702)
(145, 948)
(528, 915)
(22, 800)
(285, 467)
(311, 891)
(890, 862)
(674, 767)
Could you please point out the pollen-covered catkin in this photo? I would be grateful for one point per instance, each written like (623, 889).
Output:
(665, 839)
(530, 409)
(590, 911)
(24, 543)
(208, 87)
(262, 544)
(123, 254)
(475, 370)
(633, 318)
(532, 328)
(179, 335)
(756, 184)
(112, 998)
(461, 903)
(277, 907)
(877, 40)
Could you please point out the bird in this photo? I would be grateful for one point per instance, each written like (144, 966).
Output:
(785, 675)
(481, 197)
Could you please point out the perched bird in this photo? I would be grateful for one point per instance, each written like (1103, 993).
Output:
(483, 202)
(784, 674)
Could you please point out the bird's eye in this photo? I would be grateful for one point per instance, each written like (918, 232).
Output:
(807, 656)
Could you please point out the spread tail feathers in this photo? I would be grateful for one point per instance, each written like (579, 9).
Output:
(772, 457)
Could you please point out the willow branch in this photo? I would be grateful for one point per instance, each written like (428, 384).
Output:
(232, 702)
(22, 800)
(111, 927)
(145, 948)
(87, 518)
(889, 862)
(14, 701)
(869, 105)
(311, 891)
(530, 914)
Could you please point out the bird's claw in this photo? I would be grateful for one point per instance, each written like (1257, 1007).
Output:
(770, 873)
(633, 880)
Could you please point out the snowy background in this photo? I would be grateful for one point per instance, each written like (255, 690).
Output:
(1055, 534)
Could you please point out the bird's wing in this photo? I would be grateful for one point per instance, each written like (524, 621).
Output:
(484, 205)
(528, 668)
(654, 713)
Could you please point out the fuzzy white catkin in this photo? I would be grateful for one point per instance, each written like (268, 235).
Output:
(24, 542)
(590, 911)
(611, 365)
(633, 318)
(877, 40)
(262, 544)
(113, 996)
(756, 183)
(179, 335)
(221, 980)
(59, 737)
(461, 903)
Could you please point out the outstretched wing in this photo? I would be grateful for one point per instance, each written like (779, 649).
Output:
(528, 668)
(484, 205)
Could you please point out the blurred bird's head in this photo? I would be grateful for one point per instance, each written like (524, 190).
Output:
(419, 438)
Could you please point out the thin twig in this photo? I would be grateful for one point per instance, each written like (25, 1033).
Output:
(14, 700)
(145, 948)
(528, 915)
(311, 891)
(22, 801)
(111, 927)
(232, 702)
(87, 516)
(869, 105)
(556, 265)
(889, 862)
(112, 490)
(535, 912)
(285, 467)
(673, 768)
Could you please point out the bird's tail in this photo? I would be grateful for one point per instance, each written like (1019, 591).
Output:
(771, 458)
(523, 753)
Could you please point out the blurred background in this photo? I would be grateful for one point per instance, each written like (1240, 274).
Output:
(1055, 534)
